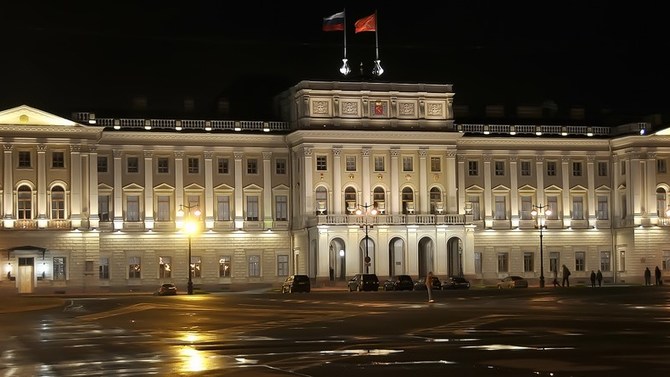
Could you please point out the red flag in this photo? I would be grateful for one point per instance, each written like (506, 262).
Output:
(368, 23)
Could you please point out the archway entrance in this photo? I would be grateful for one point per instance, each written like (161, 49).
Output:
(426, 256)
(397, 263)
(455, 257)
(337, 259)
(367, 249)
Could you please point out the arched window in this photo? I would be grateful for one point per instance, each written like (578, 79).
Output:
(661, 202)
(379, 199)
(57, 203)
(24, 203)
(407, 201)
(321, 200)
(350, 199)
(436, 204)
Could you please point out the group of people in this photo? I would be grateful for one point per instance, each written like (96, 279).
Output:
(596, 277)
(657, 276)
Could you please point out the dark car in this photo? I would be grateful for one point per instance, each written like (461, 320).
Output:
(364, 282)
(513, 282)
(296, 283)
(399, 283)
(167, 289)
(420, 284)
(455, 282)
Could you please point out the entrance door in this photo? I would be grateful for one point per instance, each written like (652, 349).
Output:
(26, 275)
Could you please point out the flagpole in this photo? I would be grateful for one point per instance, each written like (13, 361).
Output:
(345, 32)
(376, 36)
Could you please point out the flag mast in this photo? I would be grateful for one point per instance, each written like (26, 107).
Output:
(344, 70)
(377, 70)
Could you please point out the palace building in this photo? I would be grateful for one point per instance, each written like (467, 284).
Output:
(356, 177)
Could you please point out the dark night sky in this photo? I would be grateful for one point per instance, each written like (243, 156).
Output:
(64, 56)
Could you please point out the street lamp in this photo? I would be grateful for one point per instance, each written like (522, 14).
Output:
(190, 227)
(367, 209)
(540, 212)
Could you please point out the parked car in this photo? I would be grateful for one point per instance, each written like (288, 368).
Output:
(399, 283)
(455, 282)
(166, 289)
(513, 282)
(420, 284)
(364, 282)
(296, 283)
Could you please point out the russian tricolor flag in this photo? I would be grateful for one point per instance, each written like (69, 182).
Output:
(334, 22)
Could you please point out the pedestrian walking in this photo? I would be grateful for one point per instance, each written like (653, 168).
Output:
(429, 286)
(599, 277)
(657, 275)
(647, 277)
(566, 277)
(593, 279)
(556, 278)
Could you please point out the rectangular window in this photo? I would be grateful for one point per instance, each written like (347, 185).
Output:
(24, 159)
(224, 266)
(553, 261)
(478, 262)
(503, 262)
(196, 267)
(223, 208)
(551, 168)
(665, 265)
(163, 212)
(528, 262)
(525, 168)
(552, 205)
(603, 208)
(661, 166)
(499, 167)
(163, 165)
(58, 160)
(602, 169)
(580, 261)
(102, 164)
(252, 208)
(252, 166)
(435, 164)
(578, 208)
(254, 266)
(577, 169)
(408, 163)
(222, 166)
(379, 163)
(133, 208)
(476, 208)
(281, 208)
(605, 261)
(193, 165)
(60, 272)
(134, 268)
(280, 166)
(282, 265)
(350, 163)
(526, 208)
(501, 209)
(133, 165)
(103, 269)
(165, 267)
(103, 207)
(321, 163)
(473, 168)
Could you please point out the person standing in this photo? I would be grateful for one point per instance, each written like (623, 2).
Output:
(566, 277)
(599, 277)
(556, 278)
(593, 279)
(647, 277)
(429, 286)
(657, 276)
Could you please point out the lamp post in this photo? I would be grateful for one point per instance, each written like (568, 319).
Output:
(190, 227)
(363, 209)
(539, 212)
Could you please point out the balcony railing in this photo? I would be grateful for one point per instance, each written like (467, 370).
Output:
(451, 219)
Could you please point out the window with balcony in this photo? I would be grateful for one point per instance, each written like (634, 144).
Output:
(24, 203)
(57, 203)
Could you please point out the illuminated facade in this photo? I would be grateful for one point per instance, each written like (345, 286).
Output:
(92, 203)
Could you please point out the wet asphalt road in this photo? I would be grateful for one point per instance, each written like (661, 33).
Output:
(614, 331)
